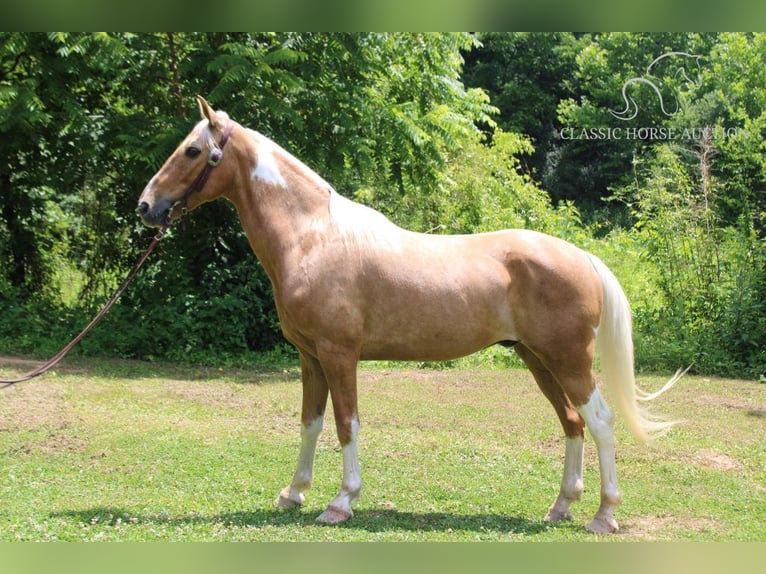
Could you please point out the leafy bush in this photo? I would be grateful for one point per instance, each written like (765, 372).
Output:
(87, 118)
(708, 303)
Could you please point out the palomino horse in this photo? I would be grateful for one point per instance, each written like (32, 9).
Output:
(350, 285)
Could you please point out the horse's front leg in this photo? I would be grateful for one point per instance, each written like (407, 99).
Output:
(312, 419)
(340, 368)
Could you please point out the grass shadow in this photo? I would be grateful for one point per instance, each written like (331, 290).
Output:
(369, 520)
(383, 520)
(137, 369)
(113, 516)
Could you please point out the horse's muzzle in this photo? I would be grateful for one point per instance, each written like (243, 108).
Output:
(157, 215)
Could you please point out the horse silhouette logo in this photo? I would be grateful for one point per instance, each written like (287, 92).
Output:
(654, 81)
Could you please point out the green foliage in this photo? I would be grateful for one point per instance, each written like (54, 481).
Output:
(696, 214)
(710, 275)
(488, 190)
(448, 133)
(522, 72)
(87, 118)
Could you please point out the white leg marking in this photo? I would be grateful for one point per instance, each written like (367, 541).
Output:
(571, 483)
(293, 495)
(340, 508)
(598, 419)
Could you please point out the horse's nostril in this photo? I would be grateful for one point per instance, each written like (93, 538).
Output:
(143, 208)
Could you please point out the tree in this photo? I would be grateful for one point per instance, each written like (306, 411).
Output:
(525, 75)
(87, 118)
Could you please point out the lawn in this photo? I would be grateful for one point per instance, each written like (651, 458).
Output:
(132, 451)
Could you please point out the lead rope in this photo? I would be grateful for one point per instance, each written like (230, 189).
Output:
(214, 160)
(56, 359)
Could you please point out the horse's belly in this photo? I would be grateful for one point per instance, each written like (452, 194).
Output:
(435, 330)
(438, 307)
(434, 349)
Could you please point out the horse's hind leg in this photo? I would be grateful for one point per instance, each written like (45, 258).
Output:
(571, 482)
(312, 419)
(598, 417)
(573, 392)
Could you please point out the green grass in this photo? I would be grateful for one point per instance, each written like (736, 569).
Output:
(108, 450)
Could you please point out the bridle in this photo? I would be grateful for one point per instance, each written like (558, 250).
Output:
(214, 160)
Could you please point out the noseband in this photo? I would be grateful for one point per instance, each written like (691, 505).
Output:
(213, 160)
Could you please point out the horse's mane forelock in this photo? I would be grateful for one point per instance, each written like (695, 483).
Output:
(207, 134)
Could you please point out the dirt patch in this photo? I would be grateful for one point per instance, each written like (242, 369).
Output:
(216, 395)
(664, 526)
(17, 362)
(23, 365)
(714, 460)
(52, 442)
(749, 401)
(34, 405)
(710, 459)
(40, 411)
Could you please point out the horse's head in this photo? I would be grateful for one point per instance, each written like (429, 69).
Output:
(195, 172)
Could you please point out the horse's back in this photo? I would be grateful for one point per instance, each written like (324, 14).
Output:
(447, 296)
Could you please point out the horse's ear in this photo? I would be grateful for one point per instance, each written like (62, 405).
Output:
(207, 112)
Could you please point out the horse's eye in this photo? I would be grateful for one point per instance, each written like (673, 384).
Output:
(193, 152)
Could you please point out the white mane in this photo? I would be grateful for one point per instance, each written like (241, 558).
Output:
(361, 224)
(358, 224)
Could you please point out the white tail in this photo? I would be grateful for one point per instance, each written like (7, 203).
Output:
(615, 347)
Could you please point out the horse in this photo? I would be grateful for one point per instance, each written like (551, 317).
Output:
(349, 285)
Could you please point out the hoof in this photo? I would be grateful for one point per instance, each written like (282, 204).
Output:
(335, 515)
(557, 516)
(288, 499)
(603, 525)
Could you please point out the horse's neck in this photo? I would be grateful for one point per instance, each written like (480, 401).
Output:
(279, 205)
